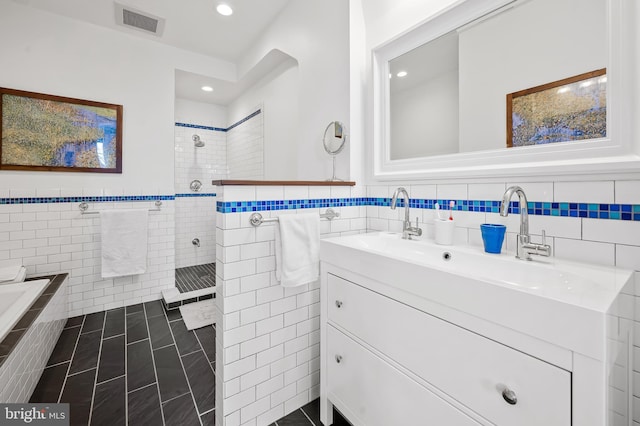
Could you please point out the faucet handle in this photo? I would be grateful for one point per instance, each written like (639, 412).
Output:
(417, 222)
(544, 237)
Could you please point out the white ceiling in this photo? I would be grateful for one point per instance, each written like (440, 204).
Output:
(188, 85)
(190, 24)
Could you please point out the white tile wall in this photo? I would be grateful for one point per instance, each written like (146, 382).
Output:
(584, 192)
(236, 154)
(268, 340)
(245, 149)
(21, 371)
(55, 237)
(195, 218)
(614, 231)
(452, 191)
(206, 163)
(585, 251)
(627, 191)
(487, 191)
(536, 191)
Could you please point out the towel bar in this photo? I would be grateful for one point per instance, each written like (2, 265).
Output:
(256, 219)
(84, 207)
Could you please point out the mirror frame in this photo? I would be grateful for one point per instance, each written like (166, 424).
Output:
(618, 152)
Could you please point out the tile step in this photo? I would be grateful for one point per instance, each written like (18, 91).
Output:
(173, 299)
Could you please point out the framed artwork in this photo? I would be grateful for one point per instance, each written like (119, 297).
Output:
(570, 109)
(52, 133)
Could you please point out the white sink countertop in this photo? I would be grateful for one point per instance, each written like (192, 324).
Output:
(562, 302)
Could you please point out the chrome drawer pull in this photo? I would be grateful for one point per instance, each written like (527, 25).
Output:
(338, 359)
(509, 396)
(338, 304)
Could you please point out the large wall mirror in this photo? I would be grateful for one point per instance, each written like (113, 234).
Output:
(440, 90)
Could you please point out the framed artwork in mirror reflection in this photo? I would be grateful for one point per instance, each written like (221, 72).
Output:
(570, 109)
(52, 133)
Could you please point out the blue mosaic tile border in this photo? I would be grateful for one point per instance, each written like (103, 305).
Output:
(578, 210)
(220, 129)
(254, 206)
(248, 117)
(196, 194)
(629, 212)
(197, 126)
(88, 199)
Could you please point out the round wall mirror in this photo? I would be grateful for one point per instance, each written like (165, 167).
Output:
(334, 140)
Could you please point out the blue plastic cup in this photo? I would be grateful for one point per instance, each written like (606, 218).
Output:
(492, 237)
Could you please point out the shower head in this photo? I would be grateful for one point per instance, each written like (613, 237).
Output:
(197, 141)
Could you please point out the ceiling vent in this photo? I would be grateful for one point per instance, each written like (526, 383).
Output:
(142, 21)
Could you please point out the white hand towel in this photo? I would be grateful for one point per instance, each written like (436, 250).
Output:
(297, 249)
(124, 242)
(10, 273)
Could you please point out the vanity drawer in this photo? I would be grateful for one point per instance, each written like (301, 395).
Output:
(379, 394)
(470, 368)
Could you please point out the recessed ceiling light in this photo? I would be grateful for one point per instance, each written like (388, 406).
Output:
(402, 74)
(207, 88)
(224, 9)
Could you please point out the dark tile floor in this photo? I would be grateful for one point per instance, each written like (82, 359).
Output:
(140, 365)
(309, 415)
(136, 365)
(195, 277)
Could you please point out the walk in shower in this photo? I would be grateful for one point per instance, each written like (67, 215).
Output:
(204, 153)
(200, 157)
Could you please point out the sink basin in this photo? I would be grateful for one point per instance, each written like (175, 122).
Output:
(560, 301)
(562, 280)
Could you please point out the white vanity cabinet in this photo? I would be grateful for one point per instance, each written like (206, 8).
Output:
(406, 342)
(380, 394)
(375, 344)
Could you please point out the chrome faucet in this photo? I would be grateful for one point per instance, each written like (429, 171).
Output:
(407, 229)
(525, 247)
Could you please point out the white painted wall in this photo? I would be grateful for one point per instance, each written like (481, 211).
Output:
(572, 40)
(277, 93)
(379, 21)
(385, 19)
(316, 34)
(634, 67)
(203, 114)
(48, 53)
(424, 118)
(357, 86)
